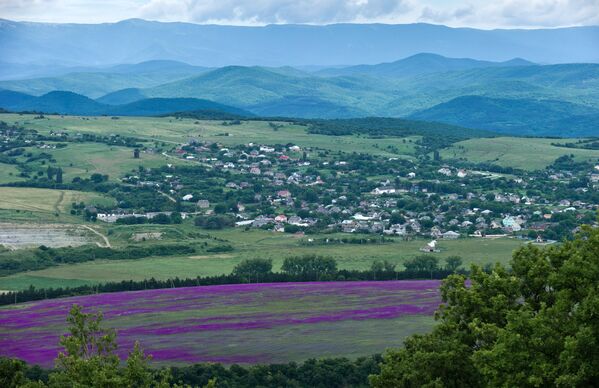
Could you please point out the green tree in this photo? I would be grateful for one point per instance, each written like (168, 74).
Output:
(309, 266)
(452, 263)
(533, 326)
(253, 268)
(89, 359)
(59, 175)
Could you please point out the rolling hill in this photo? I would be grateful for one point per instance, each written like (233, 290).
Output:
(534, 95)
(424, 63)
(72, 103)
(521, 116)
(94, 82)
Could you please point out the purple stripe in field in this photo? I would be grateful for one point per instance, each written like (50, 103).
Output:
(169, 321)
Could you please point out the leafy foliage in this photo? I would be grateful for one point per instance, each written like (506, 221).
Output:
(534, 326)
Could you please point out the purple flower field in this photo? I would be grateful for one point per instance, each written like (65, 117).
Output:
(246, 323)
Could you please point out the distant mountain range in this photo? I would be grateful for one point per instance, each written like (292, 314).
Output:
(71, 103)
(56, 46)
(515, 96)
(419, 64)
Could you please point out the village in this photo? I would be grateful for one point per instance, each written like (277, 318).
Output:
(285, 188)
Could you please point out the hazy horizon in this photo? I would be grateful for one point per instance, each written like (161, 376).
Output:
(502, 14)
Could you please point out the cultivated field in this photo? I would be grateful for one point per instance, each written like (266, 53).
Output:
(245, 324)
(524, 153)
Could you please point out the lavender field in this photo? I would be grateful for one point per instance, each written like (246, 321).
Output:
(248, 323)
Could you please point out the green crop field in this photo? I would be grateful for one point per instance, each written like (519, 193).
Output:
(168, 129)
(524, 153)
(250, 244)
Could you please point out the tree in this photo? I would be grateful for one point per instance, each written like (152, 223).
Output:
(59, 175)
(89, 359)
(533, 326)
(253, 268)
(310, 266)
(50, 173)
(378, 268)
(452, 263)
(424, 263)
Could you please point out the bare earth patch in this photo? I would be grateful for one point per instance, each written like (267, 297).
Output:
(18, 236)
(219, 256)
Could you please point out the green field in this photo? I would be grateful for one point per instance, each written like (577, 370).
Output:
(524, 153)
(168, 129)
(45, 200)
(84, 159)
(9, 173)
(250, 244)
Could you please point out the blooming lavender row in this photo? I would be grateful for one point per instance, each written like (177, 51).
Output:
(173, 324)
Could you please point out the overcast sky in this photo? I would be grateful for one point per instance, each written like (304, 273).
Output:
(458, 13)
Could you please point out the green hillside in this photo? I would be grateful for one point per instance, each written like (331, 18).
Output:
(93, 85)
(424, 63)
(528, 117)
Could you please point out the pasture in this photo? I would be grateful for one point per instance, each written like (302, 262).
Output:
(244, 324)
(523, 153)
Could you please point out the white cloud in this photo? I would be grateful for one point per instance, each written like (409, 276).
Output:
(516, 13)
(270, 11)
(472, 13)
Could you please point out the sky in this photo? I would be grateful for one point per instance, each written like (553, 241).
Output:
(486, 14)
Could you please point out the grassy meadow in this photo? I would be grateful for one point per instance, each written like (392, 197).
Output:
(247, 244)
(25, 199)
(524, 153)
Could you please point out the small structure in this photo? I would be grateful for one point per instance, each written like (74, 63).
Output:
(203, 204)
(431, 247)
(451, 235)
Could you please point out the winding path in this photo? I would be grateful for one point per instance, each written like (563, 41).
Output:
(106, 242)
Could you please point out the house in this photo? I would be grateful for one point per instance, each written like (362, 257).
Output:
(281, 218)
(255, 171)
(284, 194)
(445, 171)
(450, 235)
(187, 197)
(436, 232)
(383, 190)
(509, 222)
(203, 204)
(462, 173)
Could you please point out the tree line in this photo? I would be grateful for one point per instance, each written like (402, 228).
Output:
(294, 269)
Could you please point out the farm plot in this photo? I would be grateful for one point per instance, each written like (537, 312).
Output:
(246, 324)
